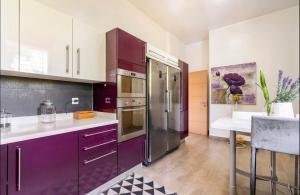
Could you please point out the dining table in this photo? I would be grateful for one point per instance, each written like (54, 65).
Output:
(238, 123)
(234, 126)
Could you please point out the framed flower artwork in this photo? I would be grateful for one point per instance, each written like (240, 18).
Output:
(234, 84)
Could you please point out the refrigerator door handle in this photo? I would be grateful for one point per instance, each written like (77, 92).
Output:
(166, 101)
(170, 101)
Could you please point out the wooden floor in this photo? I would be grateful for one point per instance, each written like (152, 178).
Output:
(200, 167)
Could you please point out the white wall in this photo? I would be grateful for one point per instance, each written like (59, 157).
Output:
(196, 55)
(272, 41)
(106, 15)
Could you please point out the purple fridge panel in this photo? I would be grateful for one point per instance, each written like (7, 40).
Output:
(46, 165)
(184, 85)
(97, 172)
(184, 117)
(131, 153)
(3, 169)
(105, 97)
(184, 99)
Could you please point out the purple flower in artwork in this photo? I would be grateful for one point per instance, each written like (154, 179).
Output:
(234, 90)
(218, 73)
(234, 79)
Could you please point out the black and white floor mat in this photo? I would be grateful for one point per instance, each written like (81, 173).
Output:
(137, 185)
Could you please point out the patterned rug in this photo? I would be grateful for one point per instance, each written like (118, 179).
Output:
(137, 185)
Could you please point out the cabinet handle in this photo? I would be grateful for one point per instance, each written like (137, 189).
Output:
(67, 58)
(78, 61)
(98, 145)
(92, 134)
(98, 158)
(19, 153)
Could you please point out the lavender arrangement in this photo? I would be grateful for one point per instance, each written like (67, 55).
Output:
(287, 90)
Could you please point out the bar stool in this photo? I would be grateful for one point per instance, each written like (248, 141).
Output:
(276, 135)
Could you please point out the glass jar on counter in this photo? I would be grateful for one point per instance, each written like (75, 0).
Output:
(5, 119)
(48, 112)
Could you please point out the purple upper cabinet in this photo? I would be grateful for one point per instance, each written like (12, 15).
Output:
(3, 169)
(47, 165)
(184, 98)
(124, 51)
(131, 153)
(131, 49)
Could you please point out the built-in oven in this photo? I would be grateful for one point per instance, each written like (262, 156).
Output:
(131, 84)
(132, 118)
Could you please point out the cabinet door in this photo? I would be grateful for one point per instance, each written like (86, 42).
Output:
(130, 49)
(45, 40)
(46, 165)
(10, 35)
(3, 169)
(88, 53)
(131, 153)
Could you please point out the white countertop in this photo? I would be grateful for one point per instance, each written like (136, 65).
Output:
(29, 127)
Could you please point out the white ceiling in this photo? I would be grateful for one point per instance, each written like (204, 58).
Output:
(190, 20)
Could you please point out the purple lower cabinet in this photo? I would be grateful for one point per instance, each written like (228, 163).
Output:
(3, 169)
(47, 165)
(97, 157)
(131, 153)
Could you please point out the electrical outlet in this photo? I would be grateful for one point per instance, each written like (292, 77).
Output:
(75, 100)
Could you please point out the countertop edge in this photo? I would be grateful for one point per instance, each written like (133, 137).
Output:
(20, 138)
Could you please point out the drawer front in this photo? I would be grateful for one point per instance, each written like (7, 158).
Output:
(97, 172)
(88, 153)
(98, 135)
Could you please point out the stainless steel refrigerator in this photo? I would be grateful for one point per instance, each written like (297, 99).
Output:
(163, 99)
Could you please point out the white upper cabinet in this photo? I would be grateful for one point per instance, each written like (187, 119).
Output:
(10, 35)
(88, 50)
(45, 40)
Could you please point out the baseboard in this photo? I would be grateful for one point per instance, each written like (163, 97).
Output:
(115, 180)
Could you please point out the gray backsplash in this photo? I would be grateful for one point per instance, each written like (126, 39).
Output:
(22, 96)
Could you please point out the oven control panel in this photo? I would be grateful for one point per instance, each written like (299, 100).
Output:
(129, 102)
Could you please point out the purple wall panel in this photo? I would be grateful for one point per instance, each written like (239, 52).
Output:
(49, 165)
(184, 99)
(105, 97)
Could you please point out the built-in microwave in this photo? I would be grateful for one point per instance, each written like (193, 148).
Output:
(130, 84)
(132, 118)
